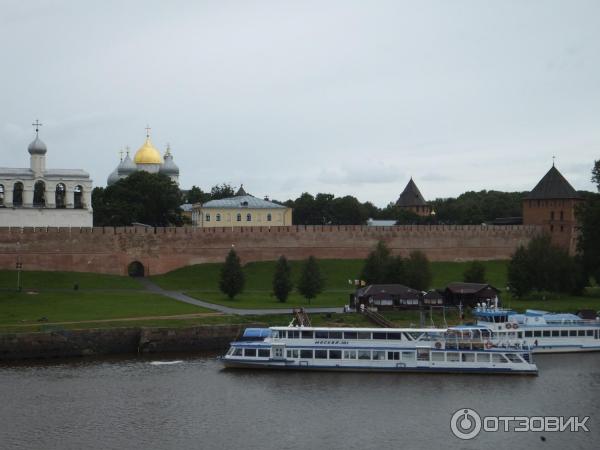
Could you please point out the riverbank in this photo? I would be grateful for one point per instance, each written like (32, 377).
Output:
(136, 340)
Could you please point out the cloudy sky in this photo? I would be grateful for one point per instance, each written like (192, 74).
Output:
(346, 97)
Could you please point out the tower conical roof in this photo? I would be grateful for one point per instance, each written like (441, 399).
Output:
(552, 185)
(411, 196)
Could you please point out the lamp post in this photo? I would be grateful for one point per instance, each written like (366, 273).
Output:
(19, 267)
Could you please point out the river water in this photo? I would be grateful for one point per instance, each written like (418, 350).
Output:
(133, 403)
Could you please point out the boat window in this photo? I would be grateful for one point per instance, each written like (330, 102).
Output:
(293, 334)
(572, 332)
(555, 333)
(292, 353)
(307, 335)
(278, 352)
(364, 354)
(237, 352)
(408, 356)
(349, 334)
(537, 333)
(378, 355)
(590, 332)
(394, 356)
(438, 356)
(483, 357)
(335, 335)
(564, 333)
(498, 358)
(394, 336)
(276, 334)
(513, 357)
(321, 335)
(423, 354)
(335, 354)
(547, 333)
(452, 356)
(264, 352)
(308, 354)
(321, 354)
(364, 335)
(581, 333)
(468, 357)
(520, 335)
(250, 352)
(529, 334)
(349, 354)
(378, 335)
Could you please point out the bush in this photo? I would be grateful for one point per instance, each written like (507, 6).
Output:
(475, 273)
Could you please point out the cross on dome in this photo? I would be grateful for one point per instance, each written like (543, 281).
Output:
(37, 126)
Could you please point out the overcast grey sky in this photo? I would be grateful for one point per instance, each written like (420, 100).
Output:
(346, 97)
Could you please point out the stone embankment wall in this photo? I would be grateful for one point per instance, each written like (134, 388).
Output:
(160, 250)
(69, 343)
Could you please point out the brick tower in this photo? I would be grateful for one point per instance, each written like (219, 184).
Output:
(412, 200)
(551, 204)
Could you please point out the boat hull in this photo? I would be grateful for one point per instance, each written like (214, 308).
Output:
(282, 365)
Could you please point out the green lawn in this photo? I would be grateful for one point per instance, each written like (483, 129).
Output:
(65, 280)
(264, 299)
(24, 308)
(259, 275)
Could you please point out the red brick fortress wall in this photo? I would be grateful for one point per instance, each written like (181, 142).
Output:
(160, 250)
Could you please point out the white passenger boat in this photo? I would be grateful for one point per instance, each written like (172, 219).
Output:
(378, 349)
(544, 332)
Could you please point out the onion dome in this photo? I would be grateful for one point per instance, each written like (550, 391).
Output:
(147, 154)
(37, 147)
(169, 167)
(127, 166)
(113, 177)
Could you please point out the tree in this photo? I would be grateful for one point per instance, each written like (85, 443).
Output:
(519, 276)
(542, 266)
(418, 271)
(396, 270)
(219, 191)
(376, 270)
(282, 279)
(196, 195)
(596, 174)
(588, 241)
(311, 282)
(475, 273)
(232, 276)
(148, 198)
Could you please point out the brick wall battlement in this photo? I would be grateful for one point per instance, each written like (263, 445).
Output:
(112, 249)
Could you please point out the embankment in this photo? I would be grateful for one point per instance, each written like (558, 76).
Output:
(69, 343)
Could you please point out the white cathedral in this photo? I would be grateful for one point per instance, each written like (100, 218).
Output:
(39, 197)
(147, 158)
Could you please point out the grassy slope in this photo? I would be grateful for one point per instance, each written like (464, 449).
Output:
(26, 308)
(65, 280)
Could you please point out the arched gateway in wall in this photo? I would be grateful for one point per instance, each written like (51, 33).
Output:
(136, 269)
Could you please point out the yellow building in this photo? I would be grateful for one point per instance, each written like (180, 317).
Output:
(243, 210)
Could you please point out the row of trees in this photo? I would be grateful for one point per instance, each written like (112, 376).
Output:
(588, 217)
(154, 199)
(310, 284)
(381, 267)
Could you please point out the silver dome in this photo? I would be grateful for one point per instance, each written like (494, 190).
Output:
(112, 178)
(37, 147)
(169, 167)
(127, 166)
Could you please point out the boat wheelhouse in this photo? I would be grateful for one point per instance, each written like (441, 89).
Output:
(467, 350)
(543, 331)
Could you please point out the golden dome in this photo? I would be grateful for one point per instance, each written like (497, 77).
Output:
(147, 154)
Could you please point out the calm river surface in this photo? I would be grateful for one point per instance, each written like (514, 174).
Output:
(133, 404)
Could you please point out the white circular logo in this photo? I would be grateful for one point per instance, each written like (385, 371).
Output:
(465, 423)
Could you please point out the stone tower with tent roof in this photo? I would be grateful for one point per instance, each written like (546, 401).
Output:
(411, 199)
(551, 204)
